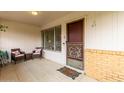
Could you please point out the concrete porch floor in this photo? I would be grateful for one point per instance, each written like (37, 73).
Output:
(37, 71)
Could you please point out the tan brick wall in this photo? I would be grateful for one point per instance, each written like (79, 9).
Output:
(104, 65)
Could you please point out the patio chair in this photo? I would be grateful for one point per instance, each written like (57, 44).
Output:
(17, 55)
(37, 52)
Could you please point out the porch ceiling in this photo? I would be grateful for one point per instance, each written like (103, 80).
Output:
(43, 17)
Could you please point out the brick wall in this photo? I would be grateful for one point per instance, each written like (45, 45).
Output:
(104, 65)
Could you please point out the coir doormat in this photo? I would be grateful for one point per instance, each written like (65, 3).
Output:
(69, 72)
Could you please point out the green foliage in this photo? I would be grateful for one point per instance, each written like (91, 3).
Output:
(4, 54)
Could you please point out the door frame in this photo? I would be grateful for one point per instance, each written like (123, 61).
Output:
(83, 37)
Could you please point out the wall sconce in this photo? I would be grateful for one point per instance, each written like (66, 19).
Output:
(3, 27)
(93, 24)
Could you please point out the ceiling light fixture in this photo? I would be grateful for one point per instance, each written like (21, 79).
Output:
(34, 13)
(3, 27)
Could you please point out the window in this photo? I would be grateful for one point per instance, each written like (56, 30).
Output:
(58, 38)
(52, 38)
(49, 39)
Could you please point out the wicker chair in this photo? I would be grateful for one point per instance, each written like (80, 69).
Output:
(38, 54)
(15, 57)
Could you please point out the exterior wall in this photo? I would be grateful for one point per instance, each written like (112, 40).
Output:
(19, 35)
(60, 57)
(97, 24)
(103, 31)
(104, 65)
(107, 35)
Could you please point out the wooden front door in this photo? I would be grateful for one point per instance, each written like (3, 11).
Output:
(75, 44)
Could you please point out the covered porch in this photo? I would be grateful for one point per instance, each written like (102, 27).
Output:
(100, 52)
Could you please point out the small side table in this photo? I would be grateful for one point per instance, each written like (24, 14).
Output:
(28, 56)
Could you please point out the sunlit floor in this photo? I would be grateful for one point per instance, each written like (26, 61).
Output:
(37, 71)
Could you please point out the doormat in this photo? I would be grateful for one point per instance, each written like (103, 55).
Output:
(69, 72)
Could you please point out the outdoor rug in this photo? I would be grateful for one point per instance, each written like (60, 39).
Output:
(69, 72)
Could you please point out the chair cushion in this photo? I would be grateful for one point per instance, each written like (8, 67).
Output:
(37, 50)
(19, 55)
(16, 53)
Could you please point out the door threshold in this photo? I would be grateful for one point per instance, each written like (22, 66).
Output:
(78, 70)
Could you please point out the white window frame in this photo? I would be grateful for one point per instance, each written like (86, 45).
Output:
(54, 41)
